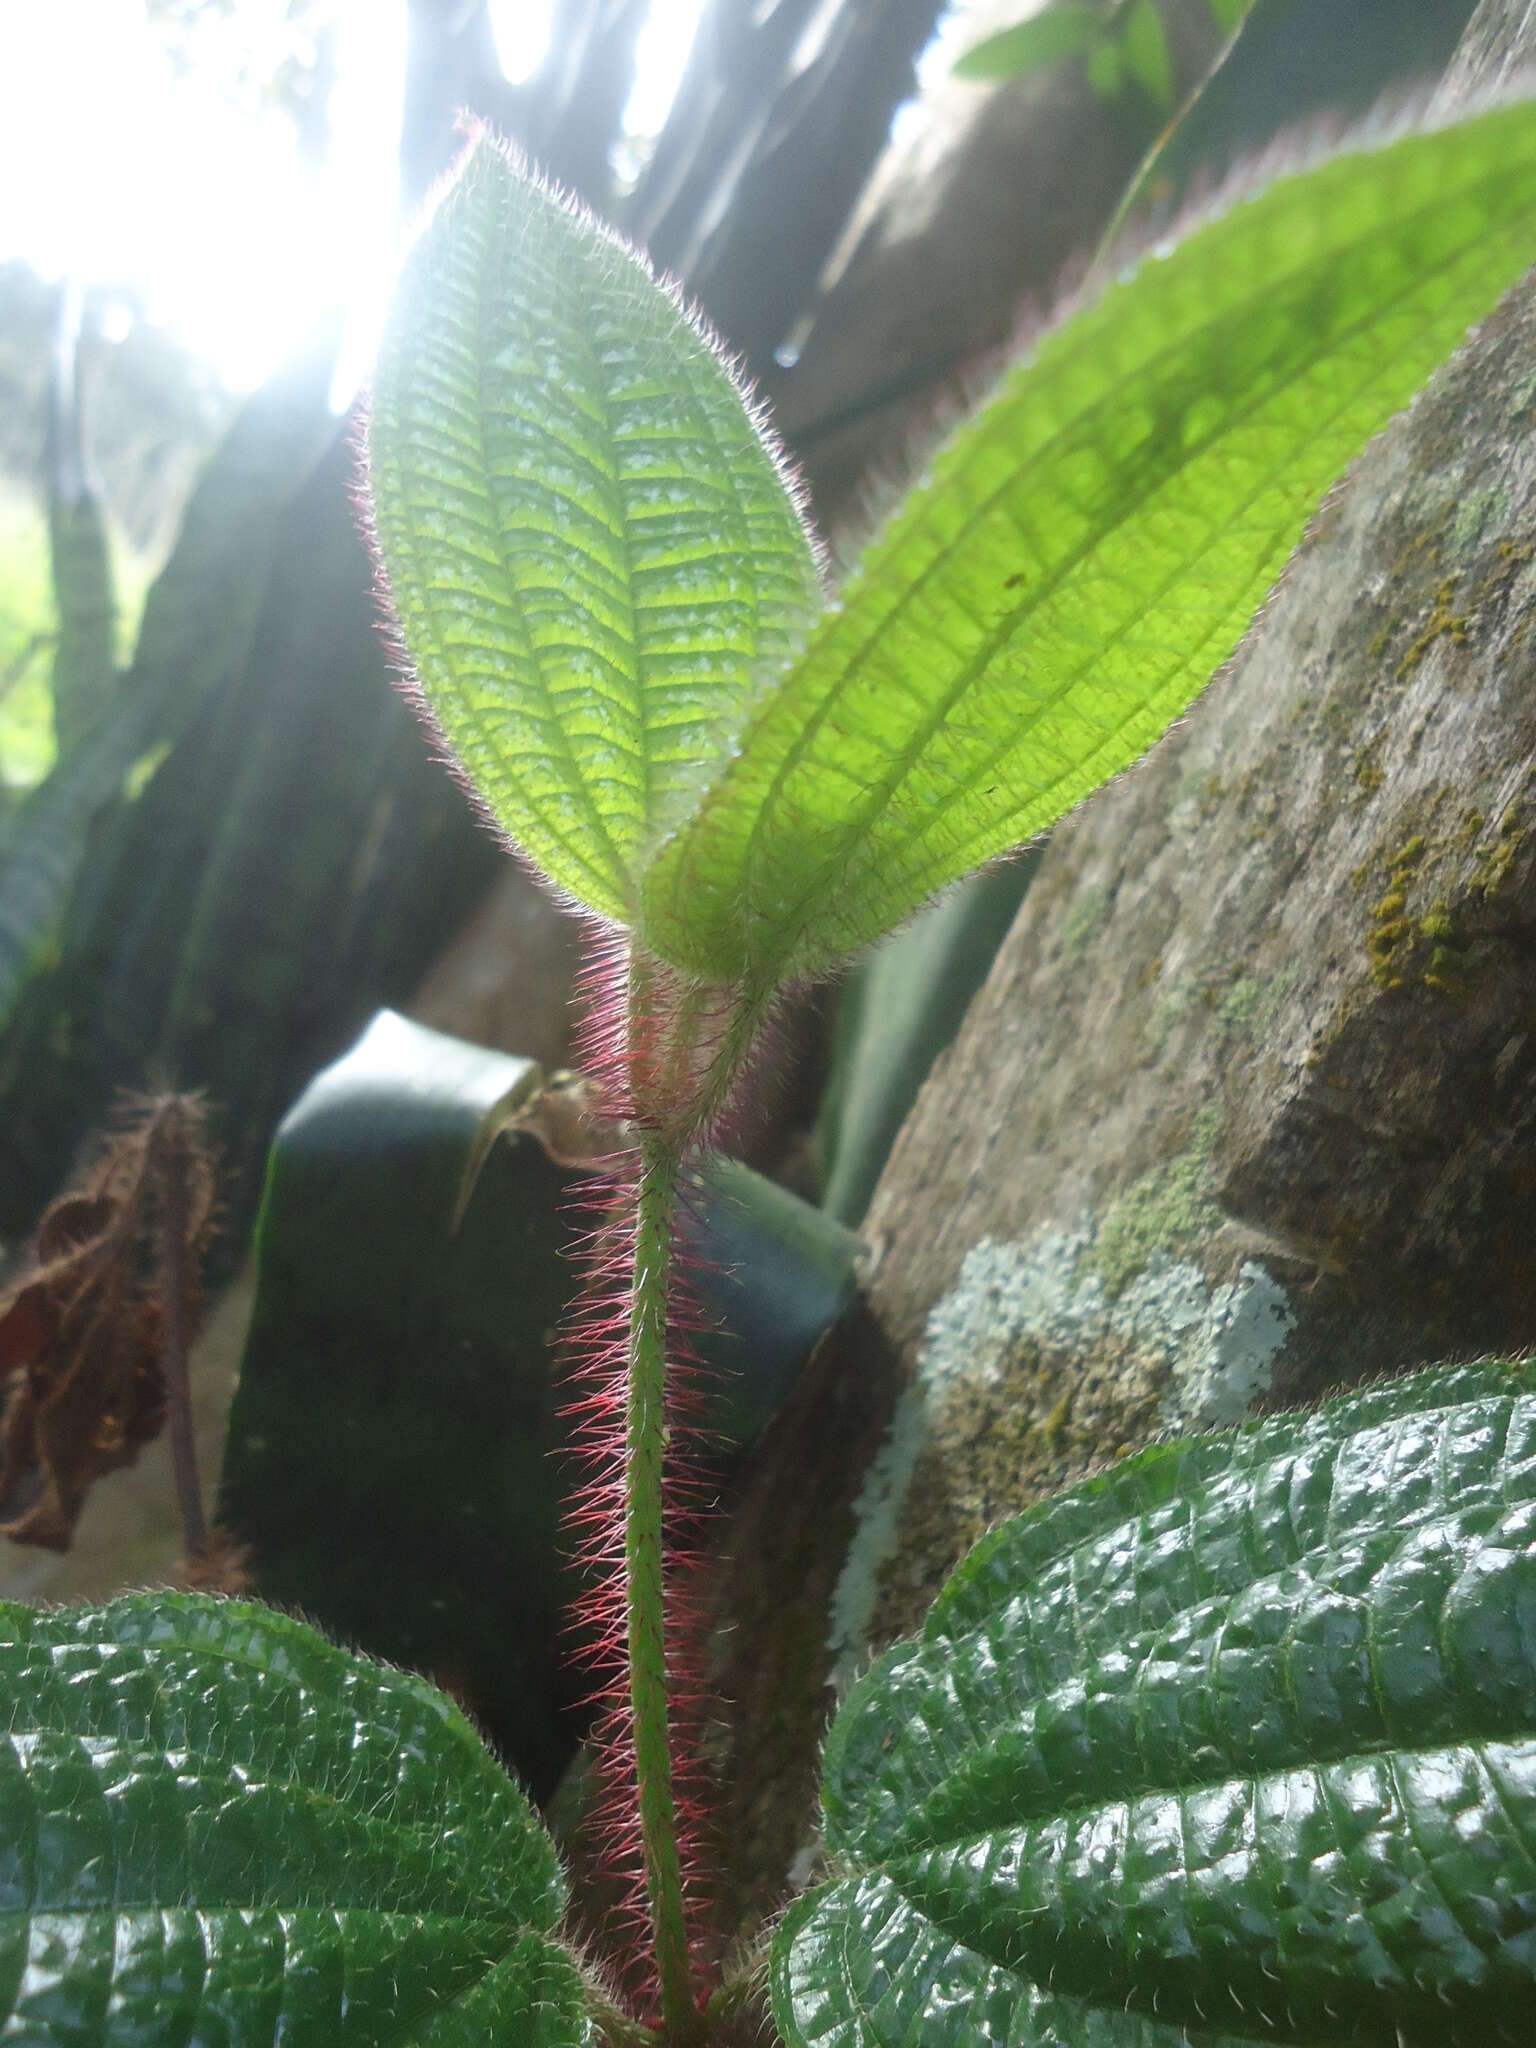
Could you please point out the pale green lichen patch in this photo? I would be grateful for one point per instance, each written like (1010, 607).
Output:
(1251, 1004)
(1030, 1373)
(1170, 1209)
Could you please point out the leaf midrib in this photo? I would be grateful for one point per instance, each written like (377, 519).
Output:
(978, 1747)
(1323, 1757)
(618, 867)
(862, 829)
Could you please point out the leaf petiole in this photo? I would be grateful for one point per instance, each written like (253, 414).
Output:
(645, 1439)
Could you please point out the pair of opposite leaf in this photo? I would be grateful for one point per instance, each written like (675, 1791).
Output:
(612, 607)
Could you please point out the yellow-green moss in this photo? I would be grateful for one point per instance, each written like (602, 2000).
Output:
(1382, 943)
(1495, 861)
(1442, 624)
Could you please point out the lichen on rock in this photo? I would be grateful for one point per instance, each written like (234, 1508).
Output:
(1026, 1364)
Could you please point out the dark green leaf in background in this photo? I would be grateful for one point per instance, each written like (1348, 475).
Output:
(84, 663)
(1144, 46)
(1068, 30)
(285, 858)
(396, 1450)
(896, 1013)
(199, 618)
(218, 1830)
(1237, 1741)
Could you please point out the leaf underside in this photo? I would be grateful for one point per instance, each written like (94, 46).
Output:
(1089, 549)
(217, 1828)
(1234, 1743)
(591, 554)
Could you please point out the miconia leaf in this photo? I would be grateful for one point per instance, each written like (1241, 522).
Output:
(1236, 1742)
(1089, 549)
(592, 555)
(218, 1828)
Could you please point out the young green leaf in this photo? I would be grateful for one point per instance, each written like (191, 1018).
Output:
(1089, 549)
(1236, 1742)
(591, 552)
(1067, 30)
(217, 1827)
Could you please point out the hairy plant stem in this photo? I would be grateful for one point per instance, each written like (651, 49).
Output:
(644, 1454)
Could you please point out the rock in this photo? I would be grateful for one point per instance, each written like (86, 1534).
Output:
(929, 273)
(1246, 1109)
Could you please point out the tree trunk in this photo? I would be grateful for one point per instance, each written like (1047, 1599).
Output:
(1247, 1107)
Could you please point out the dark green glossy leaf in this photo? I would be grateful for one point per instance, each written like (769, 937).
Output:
(1062, 31)
(217, 1830)
(1236, 1741)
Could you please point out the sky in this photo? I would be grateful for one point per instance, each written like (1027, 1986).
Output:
(240, 259)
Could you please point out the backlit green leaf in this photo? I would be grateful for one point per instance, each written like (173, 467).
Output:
(1089, 549)
(1236, 1742)
(592, 556)
(218, 1829)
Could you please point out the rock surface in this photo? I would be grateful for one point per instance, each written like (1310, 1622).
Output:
(1247, 1107)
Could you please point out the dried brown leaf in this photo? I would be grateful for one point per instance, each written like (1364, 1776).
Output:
(83, 1327)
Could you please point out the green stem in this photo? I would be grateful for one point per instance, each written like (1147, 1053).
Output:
(645, 1445)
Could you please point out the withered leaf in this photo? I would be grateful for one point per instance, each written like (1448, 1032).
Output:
(81, 1329)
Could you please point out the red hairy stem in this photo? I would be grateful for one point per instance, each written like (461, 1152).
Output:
(645, 1449)
(665, 1052)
